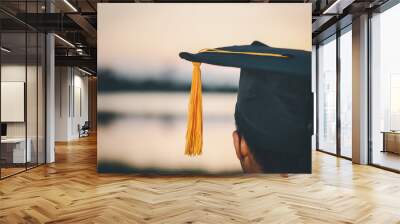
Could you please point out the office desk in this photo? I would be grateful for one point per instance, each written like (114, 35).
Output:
(391, 141)
(13, 150)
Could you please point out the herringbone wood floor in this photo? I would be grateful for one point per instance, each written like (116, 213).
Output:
(70, 191)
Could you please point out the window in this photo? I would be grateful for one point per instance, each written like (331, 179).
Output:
(346, 92)
(385, 89)
(327, 96)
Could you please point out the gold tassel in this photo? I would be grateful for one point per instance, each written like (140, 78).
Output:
(194, 133)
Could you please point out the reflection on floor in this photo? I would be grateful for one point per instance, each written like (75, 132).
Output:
(386, 159)
(346, 152)
(10, 169)
(71, 191)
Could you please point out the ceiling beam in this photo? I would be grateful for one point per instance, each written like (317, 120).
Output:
(79, 61)
(337, 7)
(84, 24)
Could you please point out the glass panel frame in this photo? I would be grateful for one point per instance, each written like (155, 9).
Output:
(26, 57)
(13, 74)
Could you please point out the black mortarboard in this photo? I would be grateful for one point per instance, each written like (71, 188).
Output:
(274, 105)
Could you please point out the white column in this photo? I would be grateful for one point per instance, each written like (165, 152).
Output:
(50, 92)
(360, 89)
(50, 99)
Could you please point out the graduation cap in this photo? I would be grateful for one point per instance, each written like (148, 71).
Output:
(274, 104)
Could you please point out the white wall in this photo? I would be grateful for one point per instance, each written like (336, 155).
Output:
(62, 81)
(33, 126)
(12, 73)
(71, 102)
(80, 104)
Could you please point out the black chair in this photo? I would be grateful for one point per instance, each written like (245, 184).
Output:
(84, 130)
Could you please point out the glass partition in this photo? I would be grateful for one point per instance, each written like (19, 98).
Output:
(327, 95)
(22, 101)
(14, 153)
(31, 99)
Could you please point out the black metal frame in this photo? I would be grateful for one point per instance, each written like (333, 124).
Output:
(369, 81)
(316, 97)
(44, 70)
(338, 98)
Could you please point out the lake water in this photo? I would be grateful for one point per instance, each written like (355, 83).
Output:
(148, 130)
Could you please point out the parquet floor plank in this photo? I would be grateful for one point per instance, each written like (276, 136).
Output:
(71, 191)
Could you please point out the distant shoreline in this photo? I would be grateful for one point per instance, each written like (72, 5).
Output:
(109, 81)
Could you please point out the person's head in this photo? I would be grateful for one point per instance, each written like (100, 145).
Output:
(244, 154)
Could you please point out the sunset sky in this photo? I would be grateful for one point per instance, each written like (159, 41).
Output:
(144, 40)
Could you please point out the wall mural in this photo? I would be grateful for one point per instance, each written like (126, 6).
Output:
(204, 88)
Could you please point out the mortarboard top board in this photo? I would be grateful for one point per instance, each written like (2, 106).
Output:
(255, 56)
(274, 105)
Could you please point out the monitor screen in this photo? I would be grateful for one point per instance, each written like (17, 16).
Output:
(3, 129)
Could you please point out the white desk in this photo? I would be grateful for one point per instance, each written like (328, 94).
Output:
(19, 155)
